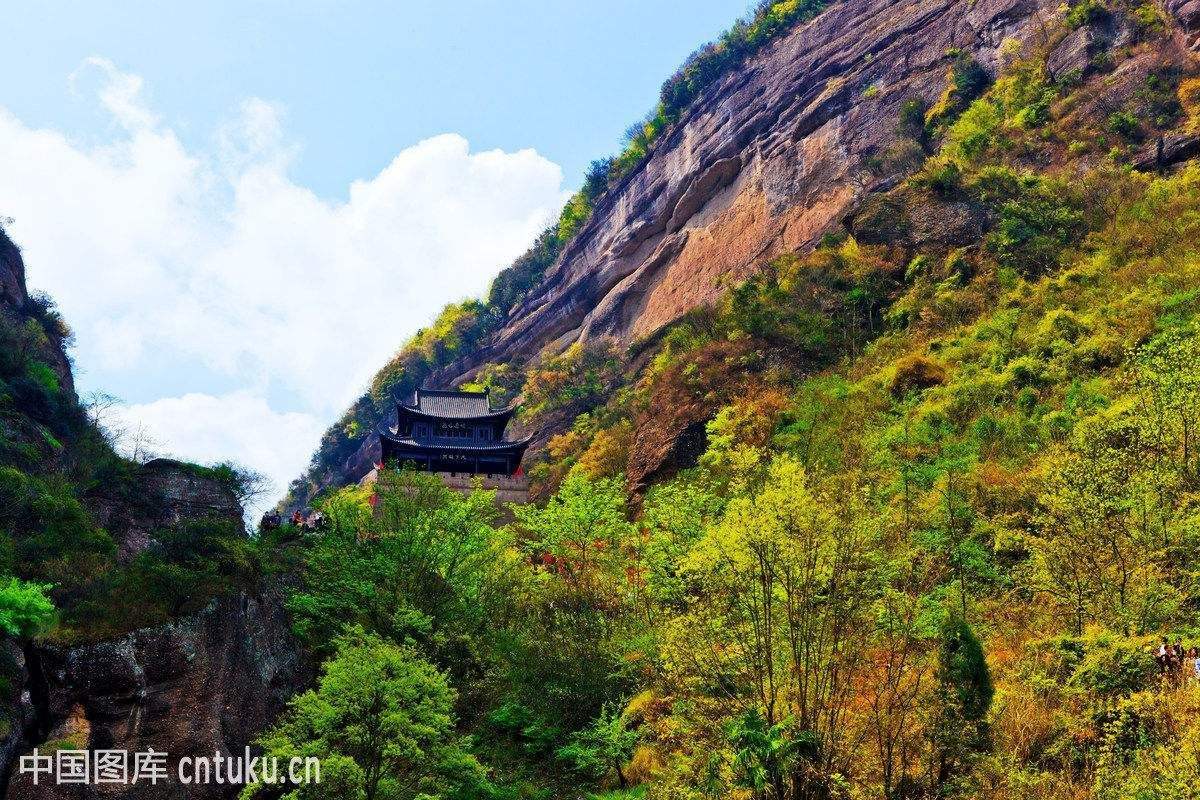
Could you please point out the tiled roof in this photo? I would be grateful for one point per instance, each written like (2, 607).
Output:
(452, 404)
(452, 444)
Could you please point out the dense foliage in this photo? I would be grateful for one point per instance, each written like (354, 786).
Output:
(944, 512)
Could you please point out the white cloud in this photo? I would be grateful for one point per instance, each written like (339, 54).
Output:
(239, 426)
(215, 263)
(120, 92)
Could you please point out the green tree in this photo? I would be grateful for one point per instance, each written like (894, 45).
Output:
(25, 610)
(602, 747)
(963, 697)
(779, 592)
(583, 527)
(1105, 529)
(426, 564)
(381, 720)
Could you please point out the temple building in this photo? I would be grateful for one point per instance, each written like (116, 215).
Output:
(453, 432)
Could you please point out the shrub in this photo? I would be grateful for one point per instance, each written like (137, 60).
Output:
(1189, 99)
(578, 378)
(1113, 667)
(574, 214)
(25, 610)
(915, 373)
(943, 178)
(1026, 372)
(1036, 224)
(1123, 123)
(43, 376)
(966, 79)
(512, 284)
(1085, 11)
(1149, 19)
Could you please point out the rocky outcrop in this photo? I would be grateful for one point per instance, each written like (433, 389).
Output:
(18, 716)
(1187, 13)
(204, 684)
(12, 274)
(766, 160)
(170, 492)
(17, 307)
(802, 139)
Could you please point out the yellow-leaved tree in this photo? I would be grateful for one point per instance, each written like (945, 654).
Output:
(780, 588)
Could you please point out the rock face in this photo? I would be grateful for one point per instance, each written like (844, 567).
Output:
(1187, 12)
(12, 274)
(204, 684)
(171, 492)
(767, 159)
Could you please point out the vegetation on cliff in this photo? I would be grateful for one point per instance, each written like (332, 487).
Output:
(941, 514)
(462, 328)
(903, 516)
(63, 488)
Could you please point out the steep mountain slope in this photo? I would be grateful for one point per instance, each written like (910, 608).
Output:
(776, 152)
(766, 160)
(162, 624)
(867, 401)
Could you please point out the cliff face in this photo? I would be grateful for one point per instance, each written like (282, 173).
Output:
(766, 160)
(12, 274)
(203, 683)
(171, 493)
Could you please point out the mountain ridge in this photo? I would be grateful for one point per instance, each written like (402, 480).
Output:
(765, 160)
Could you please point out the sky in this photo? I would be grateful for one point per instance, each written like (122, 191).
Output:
(244, 208)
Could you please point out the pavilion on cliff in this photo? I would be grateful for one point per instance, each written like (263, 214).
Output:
(455, 432)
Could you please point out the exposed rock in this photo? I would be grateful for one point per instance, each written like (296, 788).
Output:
(939, 224)
(1187, 12)
(670, 434)
(1072, 55)
(202, 684)
(173, 492)
(1167, 150)
(766, 160)
(169, 492)
(15, 305)
(917, 220)
(187, 494)
(659, 451)
(18, 714)
(782, 150)
(1124, 89)
(12, 274)
(881, 219)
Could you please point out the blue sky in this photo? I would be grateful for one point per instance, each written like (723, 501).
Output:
(361, 79)
(244, 208)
